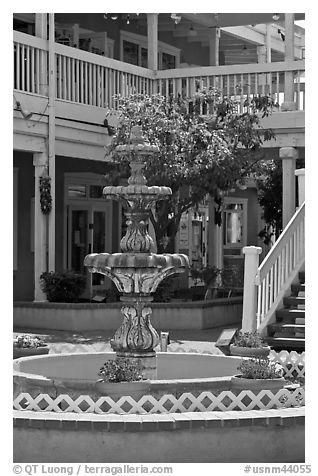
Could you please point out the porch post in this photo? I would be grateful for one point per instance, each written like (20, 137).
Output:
(268, 43)
(152, 28)
(40, 162)
(261, 59)
(51, 142)
(41, 32)
(249, 322)
(288, 156)
(214, 42)
(300, 174)
(215, 242)
(289, 104)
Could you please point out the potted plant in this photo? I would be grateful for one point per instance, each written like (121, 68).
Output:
(66, 286)
(25, 345)
(121, 376)
(249, 344)
(258, 374)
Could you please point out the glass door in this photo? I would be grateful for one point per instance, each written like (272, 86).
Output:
(87, 234)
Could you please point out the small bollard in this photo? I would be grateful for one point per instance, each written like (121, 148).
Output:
(164, 341)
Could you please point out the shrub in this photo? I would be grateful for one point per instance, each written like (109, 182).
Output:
(207, 274)
(120, 370)
(26, 341)
(62, 287)
(248, 339)
(258, 368)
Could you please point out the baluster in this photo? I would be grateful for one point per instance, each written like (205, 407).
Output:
(279, 274)
(86, 83)
(102, 86)
(266, 292)
(22, 68)
(32, 65)
(259, 305)
(73, 85)
(64, 77)
(37, 70)
(263, 299)
(275, 282)
(277, 88)
(107, 87)
(77, 76)
(286, 248)
(228, 85)
(82, 73)
(271, 286)
(27, 68)
(68, 77)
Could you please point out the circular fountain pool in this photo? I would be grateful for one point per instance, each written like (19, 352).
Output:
(76, 373)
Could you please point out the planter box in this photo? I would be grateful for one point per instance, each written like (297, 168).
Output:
(260, 352)
(27, 351)
(257, 384)
(115, 390)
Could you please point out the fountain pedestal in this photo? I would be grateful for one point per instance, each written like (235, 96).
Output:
(137, 271)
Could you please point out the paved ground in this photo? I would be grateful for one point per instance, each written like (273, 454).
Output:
(180, 340)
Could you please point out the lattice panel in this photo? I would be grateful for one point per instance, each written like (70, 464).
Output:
(206, 401)
(83, 348)
(293, 363)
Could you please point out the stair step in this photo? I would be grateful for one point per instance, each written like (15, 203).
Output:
(297, 288)
(293, 301)
(289, 315)
(301, 276)
(286, 343)
(288, 328)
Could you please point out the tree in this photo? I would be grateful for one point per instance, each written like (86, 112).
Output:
(199, 154)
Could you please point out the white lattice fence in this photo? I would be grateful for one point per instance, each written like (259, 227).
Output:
(292, 362)
(83, 348)
(206, 401)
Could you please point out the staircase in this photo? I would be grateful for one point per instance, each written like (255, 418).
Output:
(288, 332)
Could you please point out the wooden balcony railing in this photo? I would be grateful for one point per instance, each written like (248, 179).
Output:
(86, 78)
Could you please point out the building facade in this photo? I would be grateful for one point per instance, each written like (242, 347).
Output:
(68, 69)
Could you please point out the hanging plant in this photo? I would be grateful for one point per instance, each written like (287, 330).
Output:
(45, 195)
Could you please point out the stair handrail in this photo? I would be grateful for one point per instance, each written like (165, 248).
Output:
(265, 285)
(280, 266)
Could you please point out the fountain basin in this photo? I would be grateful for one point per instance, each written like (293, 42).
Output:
(76, 374)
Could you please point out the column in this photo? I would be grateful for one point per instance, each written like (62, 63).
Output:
(249, 318)
(289, 104)
(41, 32)
(152, 28)
(288, 156)
(261, 59)
(214, 41)
(215, 239)
(300, 174)
(51, 142)
(76, 35)
(40, 161)
(268, 43)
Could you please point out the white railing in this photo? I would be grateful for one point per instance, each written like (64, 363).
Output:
(280, 268)
(91, 79)
(239, 82)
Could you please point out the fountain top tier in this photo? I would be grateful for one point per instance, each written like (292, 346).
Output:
(137, 195)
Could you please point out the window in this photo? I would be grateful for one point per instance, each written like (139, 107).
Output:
(134, 50)
(234, 223)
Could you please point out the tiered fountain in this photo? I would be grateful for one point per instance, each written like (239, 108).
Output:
(137, 271)
(60, 391)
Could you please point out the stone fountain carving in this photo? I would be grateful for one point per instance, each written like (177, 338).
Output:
(137, 271)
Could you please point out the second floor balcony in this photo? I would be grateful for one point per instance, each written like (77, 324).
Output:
(84, 78)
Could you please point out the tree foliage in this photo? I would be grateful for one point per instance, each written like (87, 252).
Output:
(206, 147)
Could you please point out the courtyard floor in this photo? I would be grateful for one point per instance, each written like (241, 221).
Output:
(188, 340)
